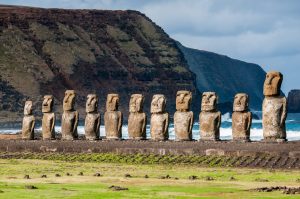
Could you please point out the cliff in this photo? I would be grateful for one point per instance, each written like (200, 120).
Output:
(46, 51)
(226, 76)
(294, 101)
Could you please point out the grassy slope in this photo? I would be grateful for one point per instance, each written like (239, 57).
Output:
(87, 186)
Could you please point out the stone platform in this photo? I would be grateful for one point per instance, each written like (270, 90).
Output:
(290, 149)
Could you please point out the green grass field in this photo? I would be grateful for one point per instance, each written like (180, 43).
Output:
(226, 183)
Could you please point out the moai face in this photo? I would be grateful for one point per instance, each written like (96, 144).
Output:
(158, 104)
(241, 102)
(136, 103)
(209, 101)
(272, 83)
(47, 104)
(91, 103)
(28, 108)
(112, 102)
(69, 100)
(183, 100)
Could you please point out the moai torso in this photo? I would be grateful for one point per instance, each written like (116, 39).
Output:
(209, 118)
(274, 115)
(28, 122)
(159, 118)
(137, 118)
(113, 118)
(69, 120)
(92, 119)
(274, 109)
(241, 118)
(183, 118)
(48, 121)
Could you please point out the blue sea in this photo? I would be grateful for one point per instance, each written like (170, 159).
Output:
(292, 127)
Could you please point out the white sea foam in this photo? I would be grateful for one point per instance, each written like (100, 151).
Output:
(225, 133)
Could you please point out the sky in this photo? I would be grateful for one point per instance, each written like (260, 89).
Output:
(265, 32)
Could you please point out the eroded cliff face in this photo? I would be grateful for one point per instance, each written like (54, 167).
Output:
(294, 101)
(46, 51)
(226, 77)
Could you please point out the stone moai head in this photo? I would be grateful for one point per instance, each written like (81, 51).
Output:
(209, 101)
(112, 102)
(28, 108)
(183, 100)
(158, 104)
(273, 83)
(91, 103)
(136, 103)
(241, 102)
(69, 100)
(47, 105)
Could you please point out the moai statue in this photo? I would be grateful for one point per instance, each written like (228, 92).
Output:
(69, 120)
(28, 122)
(210, 117)
(137, 118)
(183, 118)
(274, 109)
(241, 118)
(159, 123)
(113, 118)
(92, 119)
(48, 121)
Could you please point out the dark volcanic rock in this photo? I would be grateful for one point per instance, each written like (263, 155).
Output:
(294, 101)
(46, 51)
(117, 188)
(226, 76)
(30, 187)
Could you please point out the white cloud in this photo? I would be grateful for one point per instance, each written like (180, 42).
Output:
(263, 32)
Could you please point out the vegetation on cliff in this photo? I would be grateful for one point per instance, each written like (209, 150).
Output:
(46, 51)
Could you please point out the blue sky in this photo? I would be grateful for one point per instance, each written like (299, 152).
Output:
(266, 32)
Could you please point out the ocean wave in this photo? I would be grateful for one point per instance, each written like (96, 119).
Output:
(225, 133)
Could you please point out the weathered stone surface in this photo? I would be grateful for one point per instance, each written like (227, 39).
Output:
(274, 108)
(183, 118)
(48, 121)
(273, 83)
(217, 152)
(137, 118)
(113, 118)
(159, 123)
(28, 122)
(209, 118)
(69, 120)
(241, 118)
(92, 119)
(274, 116)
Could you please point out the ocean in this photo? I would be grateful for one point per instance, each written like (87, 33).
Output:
(292, 127)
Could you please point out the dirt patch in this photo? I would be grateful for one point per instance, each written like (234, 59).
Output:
(284, 189)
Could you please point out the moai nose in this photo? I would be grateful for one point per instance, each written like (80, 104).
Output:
(269, 80)
(67, 99)
(181, 97)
